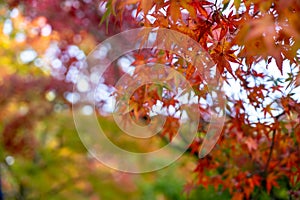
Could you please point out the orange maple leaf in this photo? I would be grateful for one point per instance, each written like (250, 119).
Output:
(251, 143)
(271, 181)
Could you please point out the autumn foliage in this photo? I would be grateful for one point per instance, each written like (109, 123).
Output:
(255, 47)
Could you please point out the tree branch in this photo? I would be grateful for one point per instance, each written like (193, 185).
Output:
(271, 151)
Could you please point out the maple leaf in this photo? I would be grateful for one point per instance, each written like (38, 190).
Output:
(199, 6)
(190, 8)
(238, 196)
(277, 88)
(194, 147)
(255, 180)
(190, 71)
(251, 143)
(171, 127)
(222, 54)
(188, 187)
(271, 181)
(237, 4)
(146, 5)
(268, 109)
(174, 10)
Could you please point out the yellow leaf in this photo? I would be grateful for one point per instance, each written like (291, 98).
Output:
(174, 10)
(191, 9)
(237, 4)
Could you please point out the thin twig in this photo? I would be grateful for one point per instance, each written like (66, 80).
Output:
(272, 144)
(271, 151)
